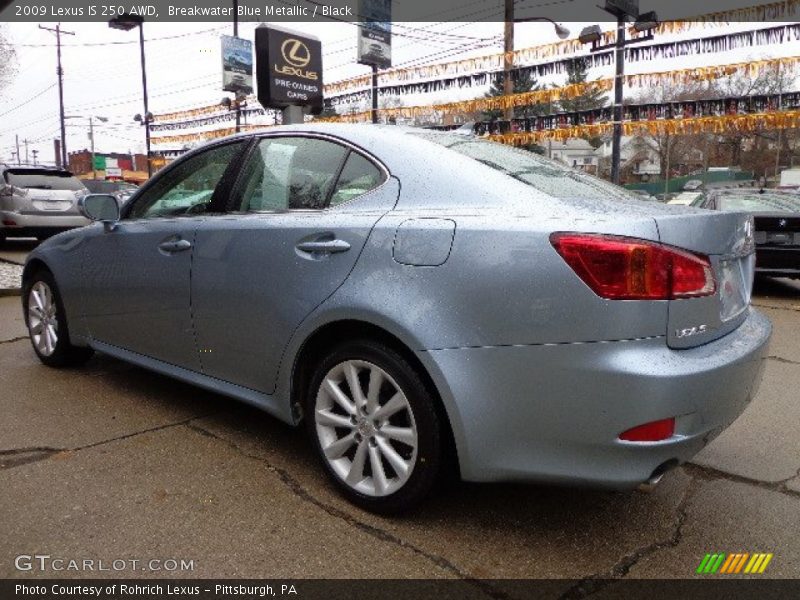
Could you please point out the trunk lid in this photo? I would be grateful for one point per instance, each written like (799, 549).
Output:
(728, 241)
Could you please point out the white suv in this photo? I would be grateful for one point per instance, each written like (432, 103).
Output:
(38, 202)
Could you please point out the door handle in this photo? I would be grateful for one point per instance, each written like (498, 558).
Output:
(324, 246)
(175, 246)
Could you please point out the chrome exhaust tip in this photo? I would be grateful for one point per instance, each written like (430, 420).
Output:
(649, 485)
(657, 475)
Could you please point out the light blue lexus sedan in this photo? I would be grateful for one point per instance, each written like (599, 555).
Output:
(420, 301)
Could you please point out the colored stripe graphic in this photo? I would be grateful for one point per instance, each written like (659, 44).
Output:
(741, 562)
(764, 564)
(703, 563)
(729, 564)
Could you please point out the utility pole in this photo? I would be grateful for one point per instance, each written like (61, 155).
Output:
(58, 31)
(618, 84)
(780, 131)
(236, 35)
(19, 156)
(374, 93)
(508, 55)
(645, 23)
(91, 137)
(27, 160)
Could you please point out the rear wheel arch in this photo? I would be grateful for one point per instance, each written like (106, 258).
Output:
(328, 336)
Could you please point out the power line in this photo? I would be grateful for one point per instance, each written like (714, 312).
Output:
(21, 104)
(117, 43)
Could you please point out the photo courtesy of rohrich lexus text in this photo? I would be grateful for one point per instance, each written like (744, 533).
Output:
(399, 299)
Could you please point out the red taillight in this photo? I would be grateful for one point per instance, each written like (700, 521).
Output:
(650, 432)
(622, 268)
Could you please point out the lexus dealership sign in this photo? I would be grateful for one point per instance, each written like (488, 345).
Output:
(288, 68)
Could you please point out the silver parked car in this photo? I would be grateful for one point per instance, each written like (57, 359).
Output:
(416, 296)
(39, 201)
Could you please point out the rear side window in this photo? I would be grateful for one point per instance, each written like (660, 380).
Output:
(358, 177)
(290, 173)
(43, 180)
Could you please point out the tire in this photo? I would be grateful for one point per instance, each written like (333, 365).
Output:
(44, 310)
(396, 429)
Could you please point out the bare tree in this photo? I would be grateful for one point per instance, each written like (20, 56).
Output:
(7, 60)
(675, 152)
(747, 149)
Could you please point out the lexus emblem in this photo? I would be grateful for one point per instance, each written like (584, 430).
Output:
(296, 53)
(782, 223)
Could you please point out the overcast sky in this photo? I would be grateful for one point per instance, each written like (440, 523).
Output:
(103, 77)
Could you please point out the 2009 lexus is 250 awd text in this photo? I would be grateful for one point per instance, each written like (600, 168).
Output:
(415, 297)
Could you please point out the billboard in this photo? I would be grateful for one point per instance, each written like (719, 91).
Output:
(375, 33)
(288, 68)
(237, 65)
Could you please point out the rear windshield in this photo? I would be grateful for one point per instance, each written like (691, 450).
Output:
(43, 180)
(760, 202)
(545, 175)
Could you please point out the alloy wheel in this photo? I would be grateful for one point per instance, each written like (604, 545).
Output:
(43, 318)
(366, 428)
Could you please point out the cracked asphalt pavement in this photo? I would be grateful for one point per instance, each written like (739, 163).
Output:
(114, 462)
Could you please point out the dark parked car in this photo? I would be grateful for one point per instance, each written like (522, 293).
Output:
(777, 226)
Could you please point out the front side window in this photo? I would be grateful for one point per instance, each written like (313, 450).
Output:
(188, 188)
(289, 173)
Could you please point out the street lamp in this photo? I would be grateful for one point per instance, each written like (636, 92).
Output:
(508, 47)
(127, 22)
(622, 9)
(237, 103)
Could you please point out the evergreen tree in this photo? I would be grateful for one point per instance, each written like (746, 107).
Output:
(523, 82)
(578, 72)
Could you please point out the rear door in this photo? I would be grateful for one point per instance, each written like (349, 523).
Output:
(300, 216)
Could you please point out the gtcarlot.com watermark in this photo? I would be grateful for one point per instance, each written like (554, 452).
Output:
(45, 563)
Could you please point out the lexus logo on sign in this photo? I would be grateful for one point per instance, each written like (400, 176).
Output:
(288, 69)
(295, 53)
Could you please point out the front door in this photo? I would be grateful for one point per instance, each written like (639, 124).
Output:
(137, 276)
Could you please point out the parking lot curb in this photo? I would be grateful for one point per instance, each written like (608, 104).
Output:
(10, 292)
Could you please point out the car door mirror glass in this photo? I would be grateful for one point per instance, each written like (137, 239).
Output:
(100, 207)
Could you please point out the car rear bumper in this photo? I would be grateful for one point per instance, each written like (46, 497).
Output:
(14, 224)
(778, 261)
(554, 412)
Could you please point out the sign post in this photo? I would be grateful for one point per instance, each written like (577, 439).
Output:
(289, 72)
(375, 41)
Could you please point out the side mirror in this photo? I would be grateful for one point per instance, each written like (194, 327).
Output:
(100, 207)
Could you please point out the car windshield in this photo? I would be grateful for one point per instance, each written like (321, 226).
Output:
(546, 175)
(43, 180)
(757, 202)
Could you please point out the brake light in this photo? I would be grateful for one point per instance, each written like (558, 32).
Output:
(650, 432)
(623, 268)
